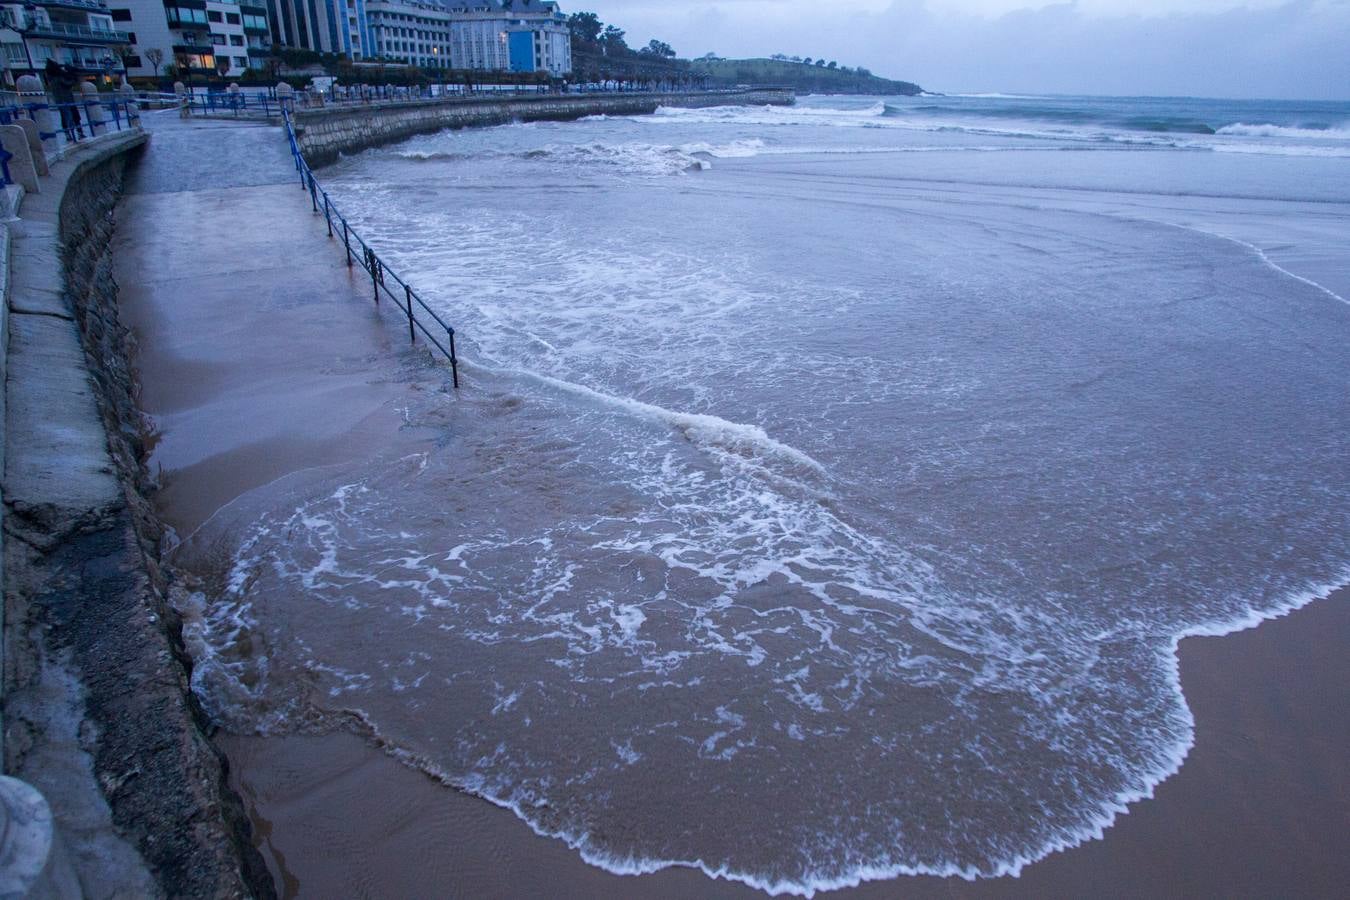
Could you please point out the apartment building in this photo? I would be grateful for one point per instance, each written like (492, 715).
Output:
(77, 33)
(208, 37)
(490, 35)
(323, 26)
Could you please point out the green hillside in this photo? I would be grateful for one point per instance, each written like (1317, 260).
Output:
(805, 79)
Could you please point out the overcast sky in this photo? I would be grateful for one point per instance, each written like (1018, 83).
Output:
(1212, 48)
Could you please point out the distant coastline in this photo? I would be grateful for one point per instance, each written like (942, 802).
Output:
(802, 77)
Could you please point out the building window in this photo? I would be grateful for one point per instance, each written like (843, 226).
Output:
(213, 16)
(217, 39)
(236, 40)
(232, 18)
(241, 62)
(121, 15)
(132, 62)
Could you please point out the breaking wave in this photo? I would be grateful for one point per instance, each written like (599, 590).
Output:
(628, 158)
(1326, 133)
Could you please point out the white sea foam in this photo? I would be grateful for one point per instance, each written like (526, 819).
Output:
(1335, 133)
(815, 601)
(1264, 258)
(707, 430)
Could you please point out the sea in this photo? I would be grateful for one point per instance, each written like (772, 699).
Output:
(829, 485)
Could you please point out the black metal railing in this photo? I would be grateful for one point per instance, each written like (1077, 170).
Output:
(362, 254)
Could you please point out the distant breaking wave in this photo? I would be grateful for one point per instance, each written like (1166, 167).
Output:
(631, 158)
(1336, 133)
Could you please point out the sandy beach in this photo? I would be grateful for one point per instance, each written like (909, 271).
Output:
(1260, 808)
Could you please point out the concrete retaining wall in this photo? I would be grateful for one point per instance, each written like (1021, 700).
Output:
(326, 132)
(98, 711)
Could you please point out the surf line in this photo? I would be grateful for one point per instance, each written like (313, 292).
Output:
(1261, 255)
(697, 427)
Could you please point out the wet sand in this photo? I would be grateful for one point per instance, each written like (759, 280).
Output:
(1262, 806)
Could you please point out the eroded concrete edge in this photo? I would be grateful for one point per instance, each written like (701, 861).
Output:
(97, 712)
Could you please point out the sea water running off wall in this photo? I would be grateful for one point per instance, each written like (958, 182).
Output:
(831, 485)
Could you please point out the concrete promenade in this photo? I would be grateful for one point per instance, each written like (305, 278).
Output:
(259, 352)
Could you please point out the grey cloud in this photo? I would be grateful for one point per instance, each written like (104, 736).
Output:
(1292, 50)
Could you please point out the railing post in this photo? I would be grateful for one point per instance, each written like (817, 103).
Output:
(327, 218)
(346, 242)
(454, 360)
(373, 264)
(313, 196)
(412, 330)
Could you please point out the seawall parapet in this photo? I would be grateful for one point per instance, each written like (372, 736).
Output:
(98, 714)
(326, 132)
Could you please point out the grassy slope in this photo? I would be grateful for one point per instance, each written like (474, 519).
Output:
(804, 78)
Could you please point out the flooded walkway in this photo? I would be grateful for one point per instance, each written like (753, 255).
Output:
(259, 351)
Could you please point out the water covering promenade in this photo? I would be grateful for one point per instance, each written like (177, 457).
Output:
(260, 351)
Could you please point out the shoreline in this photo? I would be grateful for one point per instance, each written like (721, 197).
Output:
(350, 787)
(331, 811)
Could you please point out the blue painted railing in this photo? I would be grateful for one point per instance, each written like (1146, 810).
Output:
(76, 120)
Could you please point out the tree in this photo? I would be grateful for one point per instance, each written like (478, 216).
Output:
(779, 56)
(807, 61)
(658, 49)
(585, 27)
(832, 65)
(611, 41)
(156, 57)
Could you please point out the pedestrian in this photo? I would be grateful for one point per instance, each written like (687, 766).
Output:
(62, 81)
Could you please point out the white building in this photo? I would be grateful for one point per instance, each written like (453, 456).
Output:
(209, 37)
(486, 35)
(77, 33)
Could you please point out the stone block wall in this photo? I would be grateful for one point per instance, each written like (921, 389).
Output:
(325, 133)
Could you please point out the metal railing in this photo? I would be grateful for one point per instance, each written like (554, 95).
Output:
(252, 103)
(364, 255)
(74, 122)
(235, 103)
(67, 30)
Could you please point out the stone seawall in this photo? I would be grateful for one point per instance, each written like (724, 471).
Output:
(326, 132)
(98, 711)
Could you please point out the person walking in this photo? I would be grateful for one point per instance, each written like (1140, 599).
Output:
(62, 81)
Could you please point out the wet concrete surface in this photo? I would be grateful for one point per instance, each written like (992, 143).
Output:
(259, 352)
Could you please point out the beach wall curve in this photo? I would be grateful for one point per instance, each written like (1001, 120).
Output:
(323, 133)
(98, 711)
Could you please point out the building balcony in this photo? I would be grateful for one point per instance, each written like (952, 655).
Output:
(96, 6)
(249, 9)
(93, 67)
(261, 29)
(259, 52)
(78, 34)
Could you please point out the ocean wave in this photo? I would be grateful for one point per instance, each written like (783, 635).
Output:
(630, 158)
(712, 432)
(1329, 133)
